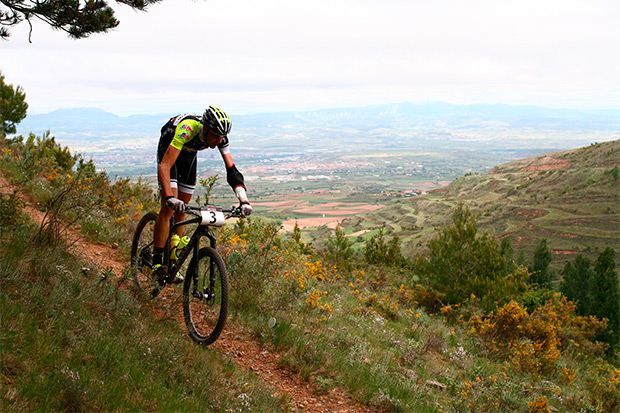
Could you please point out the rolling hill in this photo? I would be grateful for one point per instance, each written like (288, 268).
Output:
(571, 198)
(399, 125)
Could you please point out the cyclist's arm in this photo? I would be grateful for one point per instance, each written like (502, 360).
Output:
(163, 170)
(234, 178)
(228, 160)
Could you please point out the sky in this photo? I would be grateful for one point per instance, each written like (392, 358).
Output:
(255, 56)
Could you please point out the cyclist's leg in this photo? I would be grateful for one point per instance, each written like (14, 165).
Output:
(162, 225)
(186, 182)
(161, 229)
(185, 173)
(178, 217)
(160, 234)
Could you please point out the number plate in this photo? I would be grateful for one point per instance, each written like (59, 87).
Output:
(212, 217)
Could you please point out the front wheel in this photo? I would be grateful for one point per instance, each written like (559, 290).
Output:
(205, 296)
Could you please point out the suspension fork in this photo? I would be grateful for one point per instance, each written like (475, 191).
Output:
(212, 268)
(195, 259)
(208, 289)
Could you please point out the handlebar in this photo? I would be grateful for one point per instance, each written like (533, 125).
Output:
(232, 212)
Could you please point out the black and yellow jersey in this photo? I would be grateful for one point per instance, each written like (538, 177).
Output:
(183, 133)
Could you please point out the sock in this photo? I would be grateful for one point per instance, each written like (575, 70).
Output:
(158, 256)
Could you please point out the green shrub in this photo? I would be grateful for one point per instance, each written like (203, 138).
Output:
(605, 297)
(540, 273)
(339, 250)
(575, 285)
(71, 190)
(252, 251)
(378, 250)
(461, 263)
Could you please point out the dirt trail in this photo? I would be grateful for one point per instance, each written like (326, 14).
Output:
(233, 343)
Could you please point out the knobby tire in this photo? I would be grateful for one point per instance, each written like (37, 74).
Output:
(142, 255)
(204, 318)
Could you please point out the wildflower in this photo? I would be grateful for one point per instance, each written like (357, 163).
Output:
(539, 405)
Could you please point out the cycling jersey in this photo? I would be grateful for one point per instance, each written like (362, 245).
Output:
(183, 133)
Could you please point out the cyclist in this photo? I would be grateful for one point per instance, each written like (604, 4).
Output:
(181, 137)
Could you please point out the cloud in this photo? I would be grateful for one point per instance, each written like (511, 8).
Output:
(249, 55)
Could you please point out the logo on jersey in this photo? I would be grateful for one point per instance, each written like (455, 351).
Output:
(184, 135)
(188, 128)
(178, 119)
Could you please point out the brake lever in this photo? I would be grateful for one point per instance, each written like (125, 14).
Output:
(192, 211)
(235, 213)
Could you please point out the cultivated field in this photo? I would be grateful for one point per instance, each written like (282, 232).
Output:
(311, 210)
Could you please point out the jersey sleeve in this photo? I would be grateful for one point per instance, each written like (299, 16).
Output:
(185, 132)
(224, 146)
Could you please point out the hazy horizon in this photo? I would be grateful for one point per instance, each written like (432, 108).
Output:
(199, 109)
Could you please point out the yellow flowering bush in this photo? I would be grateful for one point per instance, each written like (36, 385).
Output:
(539, 405)
(604, 383)
(315, 297)
(567, 375)
(387, 307)
(11, 213)
(319, 271)
(533, 341)
(427, 298)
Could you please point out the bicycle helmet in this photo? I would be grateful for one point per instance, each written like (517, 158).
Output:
(217, 120)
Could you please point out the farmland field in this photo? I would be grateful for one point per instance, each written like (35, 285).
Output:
(316, 189)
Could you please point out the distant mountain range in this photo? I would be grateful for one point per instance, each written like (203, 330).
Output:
(431, 125)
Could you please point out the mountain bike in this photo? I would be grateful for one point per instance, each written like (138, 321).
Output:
(205, 288)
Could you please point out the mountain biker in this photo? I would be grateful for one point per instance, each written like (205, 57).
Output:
(181, 137)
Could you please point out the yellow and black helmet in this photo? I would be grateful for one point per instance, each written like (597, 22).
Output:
(217, 120)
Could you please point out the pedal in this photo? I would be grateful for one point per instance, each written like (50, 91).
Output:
(175, 280)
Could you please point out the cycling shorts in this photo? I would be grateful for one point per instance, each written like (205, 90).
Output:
(183, 172)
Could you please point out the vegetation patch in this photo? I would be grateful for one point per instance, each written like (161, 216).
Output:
(465, 324)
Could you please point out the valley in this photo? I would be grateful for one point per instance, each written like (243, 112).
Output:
(400, 167)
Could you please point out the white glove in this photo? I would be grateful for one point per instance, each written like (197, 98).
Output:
(176, 204)
(244, 204)
(246, 210)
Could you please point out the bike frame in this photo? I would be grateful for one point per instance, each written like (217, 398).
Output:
(194, 244)
(192, 247)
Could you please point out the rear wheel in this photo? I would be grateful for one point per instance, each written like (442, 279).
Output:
(205, 296)
(142, 254)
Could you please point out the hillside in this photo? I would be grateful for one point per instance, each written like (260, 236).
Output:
(571, 198)
(349, 335)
